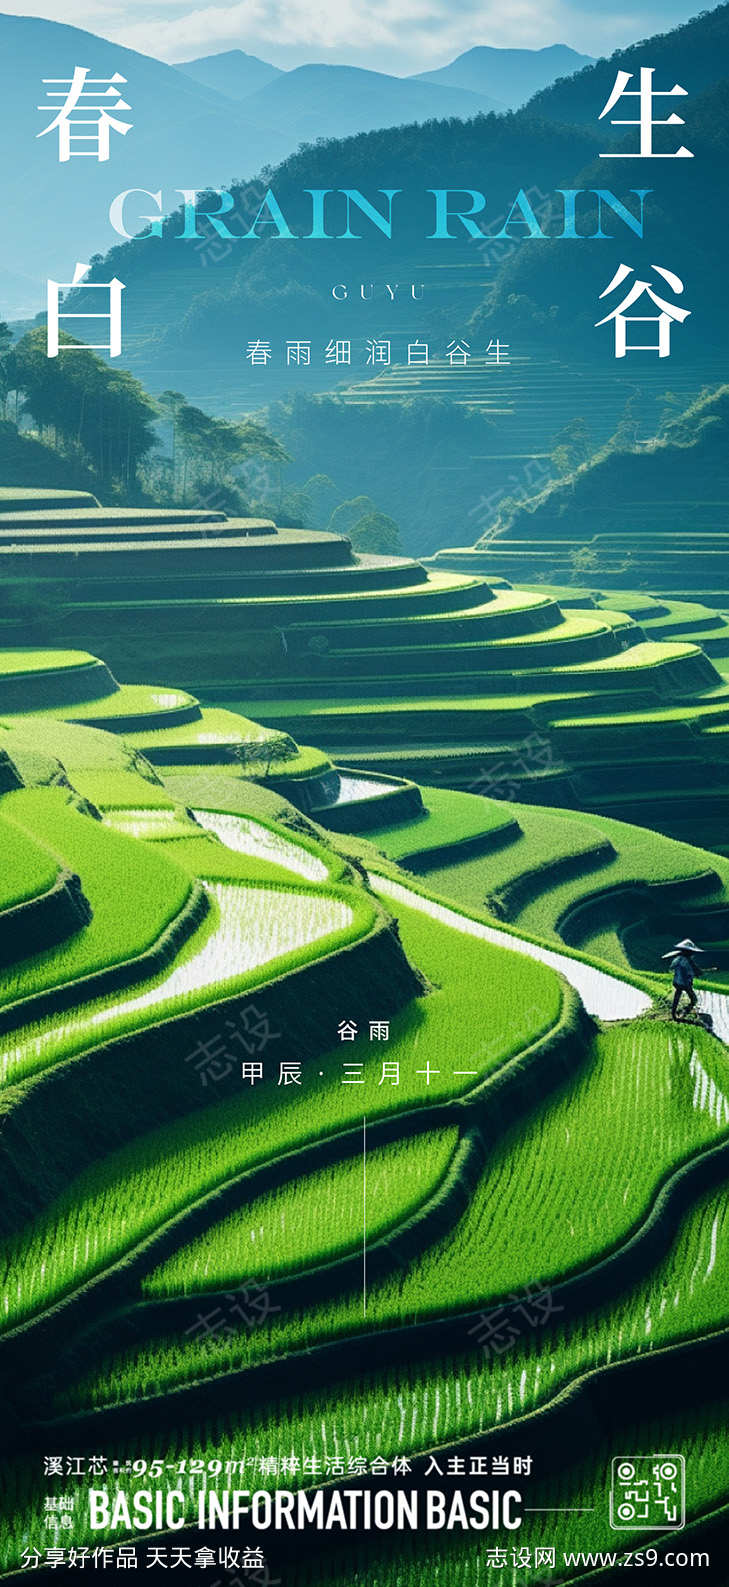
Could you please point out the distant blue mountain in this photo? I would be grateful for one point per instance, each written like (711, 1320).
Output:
(183, 135)
(233, 72)
(511, 76)
(337, 101)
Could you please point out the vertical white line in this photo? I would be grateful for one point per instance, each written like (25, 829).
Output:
(364, 1215)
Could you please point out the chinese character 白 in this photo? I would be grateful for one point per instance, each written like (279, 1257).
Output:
(114, 288)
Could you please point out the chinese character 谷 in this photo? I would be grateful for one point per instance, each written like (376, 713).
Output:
(668, 312)
(458, 353)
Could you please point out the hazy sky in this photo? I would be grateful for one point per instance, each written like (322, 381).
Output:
(386, 35)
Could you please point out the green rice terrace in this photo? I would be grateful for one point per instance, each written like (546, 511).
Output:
(343, 1117)
(446, 674)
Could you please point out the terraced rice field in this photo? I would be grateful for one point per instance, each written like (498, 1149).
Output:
(231, 946)
(250, 837)
(303, 1226)
(516, 1369)
(131, 1192)
(155, 890)
(614, 890)
(491, 1260)
(27, 867)
(387, 658)
(602, 994)
(532, 1141)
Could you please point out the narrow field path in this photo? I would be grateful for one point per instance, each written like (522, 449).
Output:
(606, 996)
(609, 997)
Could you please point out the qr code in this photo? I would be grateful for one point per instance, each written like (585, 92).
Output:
(648, 1492)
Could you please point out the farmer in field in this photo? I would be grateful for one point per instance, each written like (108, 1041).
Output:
(684, 969)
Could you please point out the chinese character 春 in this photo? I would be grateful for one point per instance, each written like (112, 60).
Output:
(76, 93)
(646, 93)
(259, 353)
(668, 312)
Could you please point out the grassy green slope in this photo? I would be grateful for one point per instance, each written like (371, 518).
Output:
(134, 893)
(133, 1191)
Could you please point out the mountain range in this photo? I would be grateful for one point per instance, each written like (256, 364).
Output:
(188, 327)
(202, 124)
(232, 72)
(511, 76)
(505, 78)
(57, 213)
(337, 101)
(215, 121)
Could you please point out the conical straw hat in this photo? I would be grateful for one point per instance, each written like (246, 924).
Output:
(686, 946)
